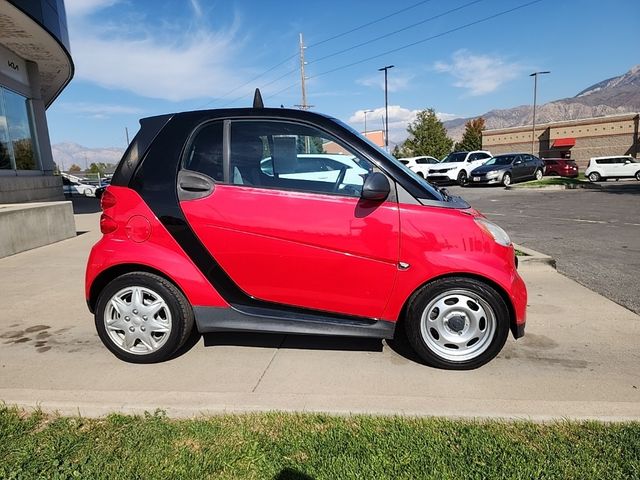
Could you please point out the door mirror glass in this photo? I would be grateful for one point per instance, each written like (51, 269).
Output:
(376, 187)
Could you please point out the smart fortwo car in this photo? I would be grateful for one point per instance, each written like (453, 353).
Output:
(199, 233)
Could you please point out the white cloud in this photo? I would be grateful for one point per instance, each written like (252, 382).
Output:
(98, 109)
(77, 8)
(479, 74)
(197, 8)
(399, 119)
(395, 82)
(183, 64)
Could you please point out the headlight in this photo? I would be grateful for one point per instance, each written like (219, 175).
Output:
(499, 235)
(492, 174)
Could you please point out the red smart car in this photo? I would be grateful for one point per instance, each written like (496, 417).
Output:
(232, 220)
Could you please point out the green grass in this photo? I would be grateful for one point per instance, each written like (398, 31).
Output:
(311, 446)
(520, 254)
(546, 181)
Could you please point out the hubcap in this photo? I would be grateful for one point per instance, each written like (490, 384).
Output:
(137, 320)
(506, 180)
(458, 325)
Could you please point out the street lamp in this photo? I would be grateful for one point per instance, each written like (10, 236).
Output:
(365, 121)
(386, 107)
(535, 91)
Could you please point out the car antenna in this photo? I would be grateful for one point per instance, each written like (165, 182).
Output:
(257, 99)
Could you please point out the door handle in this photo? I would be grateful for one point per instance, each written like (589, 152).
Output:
(194, 185)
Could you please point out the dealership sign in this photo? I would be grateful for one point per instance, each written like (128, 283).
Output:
(13, 66)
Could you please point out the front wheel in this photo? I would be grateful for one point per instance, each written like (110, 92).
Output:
(143, 318)
(463, 179)
(538, 174)
(457, 323)
(594, 177)
(88, 193)
(638, 175)
(506, 179)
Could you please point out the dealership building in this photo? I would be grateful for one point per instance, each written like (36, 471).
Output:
(35, 65)
(576, 139)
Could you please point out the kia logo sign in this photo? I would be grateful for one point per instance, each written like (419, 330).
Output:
(13, 65)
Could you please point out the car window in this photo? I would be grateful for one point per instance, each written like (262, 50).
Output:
(455, 157)
(205, 153)
(290, 156)
(422, 161)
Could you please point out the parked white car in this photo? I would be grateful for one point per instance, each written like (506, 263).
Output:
(420, 165)
(322, 167)
(601, 168)
(71, 187)
(457, 166)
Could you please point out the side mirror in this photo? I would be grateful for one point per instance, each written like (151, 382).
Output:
(376, 187)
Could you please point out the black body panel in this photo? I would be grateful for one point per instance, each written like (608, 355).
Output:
(210, 319)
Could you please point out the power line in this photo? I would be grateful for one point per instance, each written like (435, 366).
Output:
(295, 55)
(373, 22)
(421, 22)
(412, 44)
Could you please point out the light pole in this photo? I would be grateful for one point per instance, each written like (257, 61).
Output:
(365, 121)
(386, 107)
(535, 91)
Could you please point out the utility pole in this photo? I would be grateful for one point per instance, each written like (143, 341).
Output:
(304, 105)
(365, 121)
(535, 91)
(386, 107)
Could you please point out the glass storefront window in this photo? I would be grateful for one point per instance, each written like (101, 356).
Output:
(17, 145)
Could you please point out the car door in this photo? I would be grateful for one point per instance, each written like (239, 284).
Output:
(519, 167)
(628, 167)
(292, 241)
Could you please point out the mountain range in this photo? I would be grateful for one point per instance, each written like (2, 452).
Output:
(619, 94)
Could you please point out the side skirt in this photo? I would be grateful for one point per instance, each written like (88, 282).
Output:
(255, 319)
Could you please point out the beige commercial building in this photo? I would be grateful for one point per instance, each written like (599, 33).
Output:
(576, 139)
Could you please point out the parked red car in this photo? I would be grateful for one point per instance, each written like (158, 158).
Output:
(210, 222)
(560, 166)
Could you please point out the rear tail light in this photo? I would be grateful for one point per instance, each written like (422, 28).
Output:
(107, 224)
(108, 200)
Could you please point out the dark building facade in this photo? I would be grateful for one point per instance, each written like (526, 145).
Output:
(35, 66)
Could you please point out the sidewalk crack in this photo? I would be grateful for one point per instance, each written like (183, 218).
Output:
(273, 357)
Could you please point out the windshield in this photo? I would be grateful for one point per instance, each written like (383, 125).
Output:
(426, 185)
(501, 161)
(455, 157)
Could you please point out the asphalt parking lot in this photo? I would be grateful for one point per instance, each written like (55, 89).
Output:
(594, 234)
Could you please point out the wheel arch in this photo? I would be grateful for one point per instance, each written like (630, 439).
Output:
(111, 273)
(496, 286)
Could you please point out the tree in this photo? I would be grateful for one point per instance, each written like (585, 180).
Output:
(97, 168)
(74, 168)
(472, 136)
(427, 136)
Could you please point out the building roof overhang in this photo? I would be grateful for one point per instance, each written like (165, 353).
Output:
(31, 41)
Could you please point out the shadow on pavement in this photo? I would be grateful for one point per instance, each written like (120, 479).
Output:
(620, 188)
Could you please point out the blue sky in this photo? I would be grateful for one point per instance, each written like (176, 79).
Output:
(137, 58)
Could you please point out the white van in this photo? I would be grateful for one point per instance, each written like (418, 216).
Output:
(623, 166)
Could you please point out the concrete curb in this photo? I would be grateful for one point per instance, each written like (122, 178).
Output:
(555, 187)
(533, 257)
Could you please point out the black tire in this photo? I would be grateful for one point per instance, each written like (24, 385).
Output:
(506, 179)
(496, 335)
(638, 175)
(594, 177)
(538, 175)
(182, 318)
(463, 179)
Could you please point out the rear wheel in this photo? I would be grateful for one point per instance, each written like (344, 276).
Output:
(143, 318)
(538, 174)
(463, 179)
(638, 175)
(594, 177)
(457, 323)
(506, 179)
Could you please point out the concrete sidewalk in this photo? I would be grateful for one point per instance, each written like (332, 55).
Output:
(578, 359)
